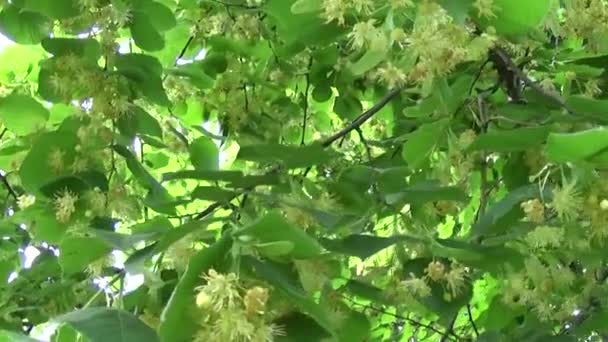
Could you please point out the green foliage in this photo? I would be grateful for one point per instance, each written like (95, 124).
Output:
(303, 170)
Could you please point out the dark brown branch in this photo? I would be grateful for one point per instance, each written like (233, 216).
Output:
(508, 62)
(472, 321)
(306, 91)
(8, 187)
(361, 119)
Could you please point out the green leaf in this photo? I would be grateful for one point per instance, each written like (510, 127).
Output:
(161, 17)
(427, 191)
(364, 246)
(74, 258)
(235, 179)
(300, 30)
(519, 139)
(22, 114)
(108, 324)
(517, 17)
(593, 108)
(211, 193)
(290, 156)
(422, 142)
(174, 322)
(24, 60)
(34, 171)
(576, 147)
(204, 154)
(347, 107)
(138, 121)
(274, 227)
(145, 72)
(274, 249)
(54, 9)
(87, 48)
(306, 6)
(281, 279)
(369, 60)
(444, 306)
(167, 239)
(488, 223)
(144, 33)
(195, 74)
(355, 327)
(23, 27)
(123, 242)
(159, 198)
(300, 328)
(11, 336)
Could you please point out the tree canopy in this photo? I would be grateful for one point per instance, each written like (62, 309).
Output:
(304, 170)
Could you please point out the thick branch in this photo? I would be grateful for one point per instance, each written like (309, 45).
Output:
(555, 98)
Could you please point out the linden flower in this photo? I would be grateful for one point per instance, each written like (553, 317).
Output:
(363, 33)
(221, 289)
(545, 237)
(79, 165)
(60, 84)
(544, 311)
(333, 10)
(562, 276)
(567, 201)
(397, 4)
(233, 326)
(96, 200)
(435, 270)
(534, 210)
(417, 286)
(65, 205)
(56, 160)
(267, 332)
(391, 75)
(25, 201)
(87, 4)
(363, 6)
(466, 138)
(592, 88)
(456, 279)
(255, 300)
(485, 8)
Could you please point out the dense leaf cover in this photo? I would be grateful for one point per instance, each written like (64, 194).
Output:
(304, 170)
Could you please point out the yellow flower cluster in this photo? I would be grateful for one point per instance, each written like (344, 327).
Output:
(228, 315)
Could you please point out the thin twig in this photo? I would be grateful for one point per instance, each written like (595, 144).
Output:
(103, 289)
(361, 119)
(472, 321)
(407, 319)
(368, 150)
(450, 330)
(306, 90)
(8, 187)
(228, 4)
